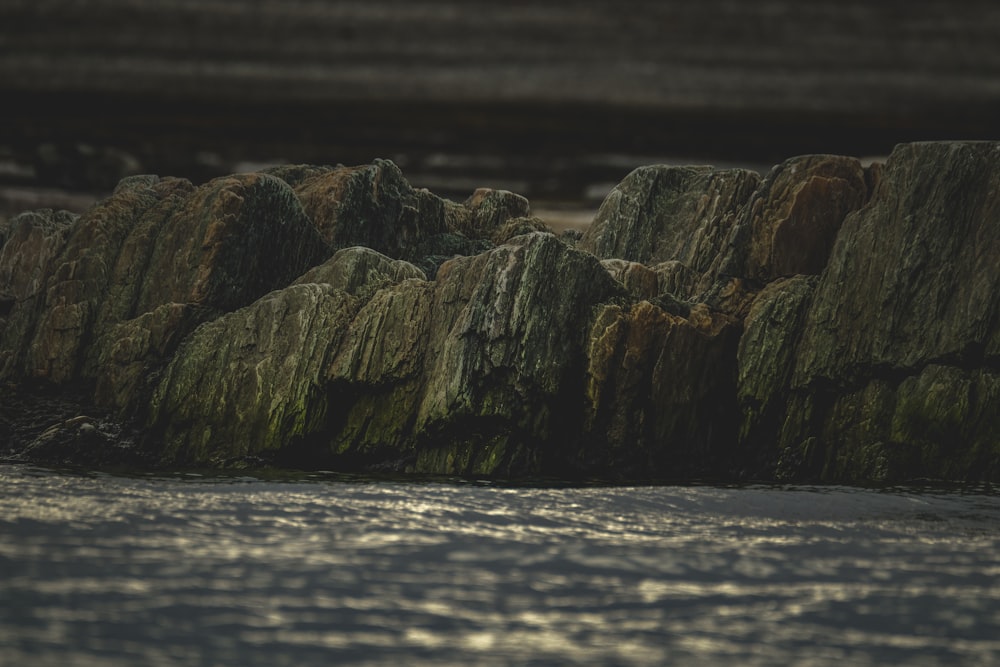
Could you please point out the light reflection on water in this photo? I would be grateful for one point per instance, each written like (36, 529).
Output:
(104, 570)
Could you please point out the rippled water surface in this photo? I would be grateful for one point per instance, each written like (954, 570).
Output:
(104, 570)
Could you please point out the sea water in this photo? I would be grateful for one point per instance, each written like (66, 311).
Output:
(97, 569)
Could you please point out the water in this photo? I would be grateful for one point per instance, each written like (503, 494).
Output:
(105, 570)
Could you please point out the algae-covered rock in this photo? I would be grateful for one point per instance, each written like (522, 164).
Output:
(766, 359)
(474, 373)
(903, 318)
(827, 323)
(131, 352)
(251, 381)
(479, 369)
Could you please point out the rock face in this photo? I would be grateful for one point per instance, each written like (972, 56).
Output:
(826, 322)
(903, 334)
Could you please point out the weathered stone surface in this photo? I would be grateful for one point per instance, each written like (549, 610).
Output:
(156, 242)
(433, 251)
(43, 338)
(373, 206)
(296, 174)
(254, 376)
(913, 276)
(28, 242)
(660, 213)
(489, 210)
(478, 369)
(130, 353)
(518, 226)
(790, 224)
(360, 271)
(695, 355)
(904, 322)
(233, 240)
(475, 373)
(640, 281)
(765, 362)
(660, 391)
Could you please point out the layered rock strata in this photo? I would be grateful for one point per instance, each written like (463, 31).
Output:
(828, 321)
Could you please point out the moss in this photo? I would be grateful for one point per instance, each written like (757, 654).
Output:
(933, 407)
(477, 454)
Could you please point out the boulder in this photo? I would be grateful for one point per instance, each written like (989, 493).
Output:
(660, 392)
(250, 382)
(157, 244)
(372, 206)
(480, 371)
(895, 371)
(671, 214)
(789, 225)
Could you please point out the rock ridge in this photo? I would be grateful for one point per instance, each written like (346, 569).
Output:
(829, 321)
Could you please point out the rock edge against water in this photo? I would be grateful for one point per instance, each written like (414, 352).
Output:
(827, 322)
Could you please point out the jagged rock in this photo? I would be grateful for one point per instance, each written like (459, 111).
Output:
(43, 339)
(913, 276)
(35, 237)
(519, 226)
(911, 284)
(472, 373)
(296, 174)
(674, 277)
(478, 370)
(661, 213)
(765, 362)
(372, 206)
(156, 242)
(430, 253)
(660, 391)
(791, 222)
(256, 374)
(489, 211)
(215, 321)
(130, 353)
(360, 271)
(260, 372)
(28, 244)
(640, 281)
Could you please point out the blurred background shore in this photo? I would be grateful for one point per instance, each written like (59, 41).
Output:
(554, 101)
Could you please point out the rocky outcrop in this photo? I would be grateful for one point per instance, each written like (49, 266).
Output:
(826, 322)
(903, 335)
